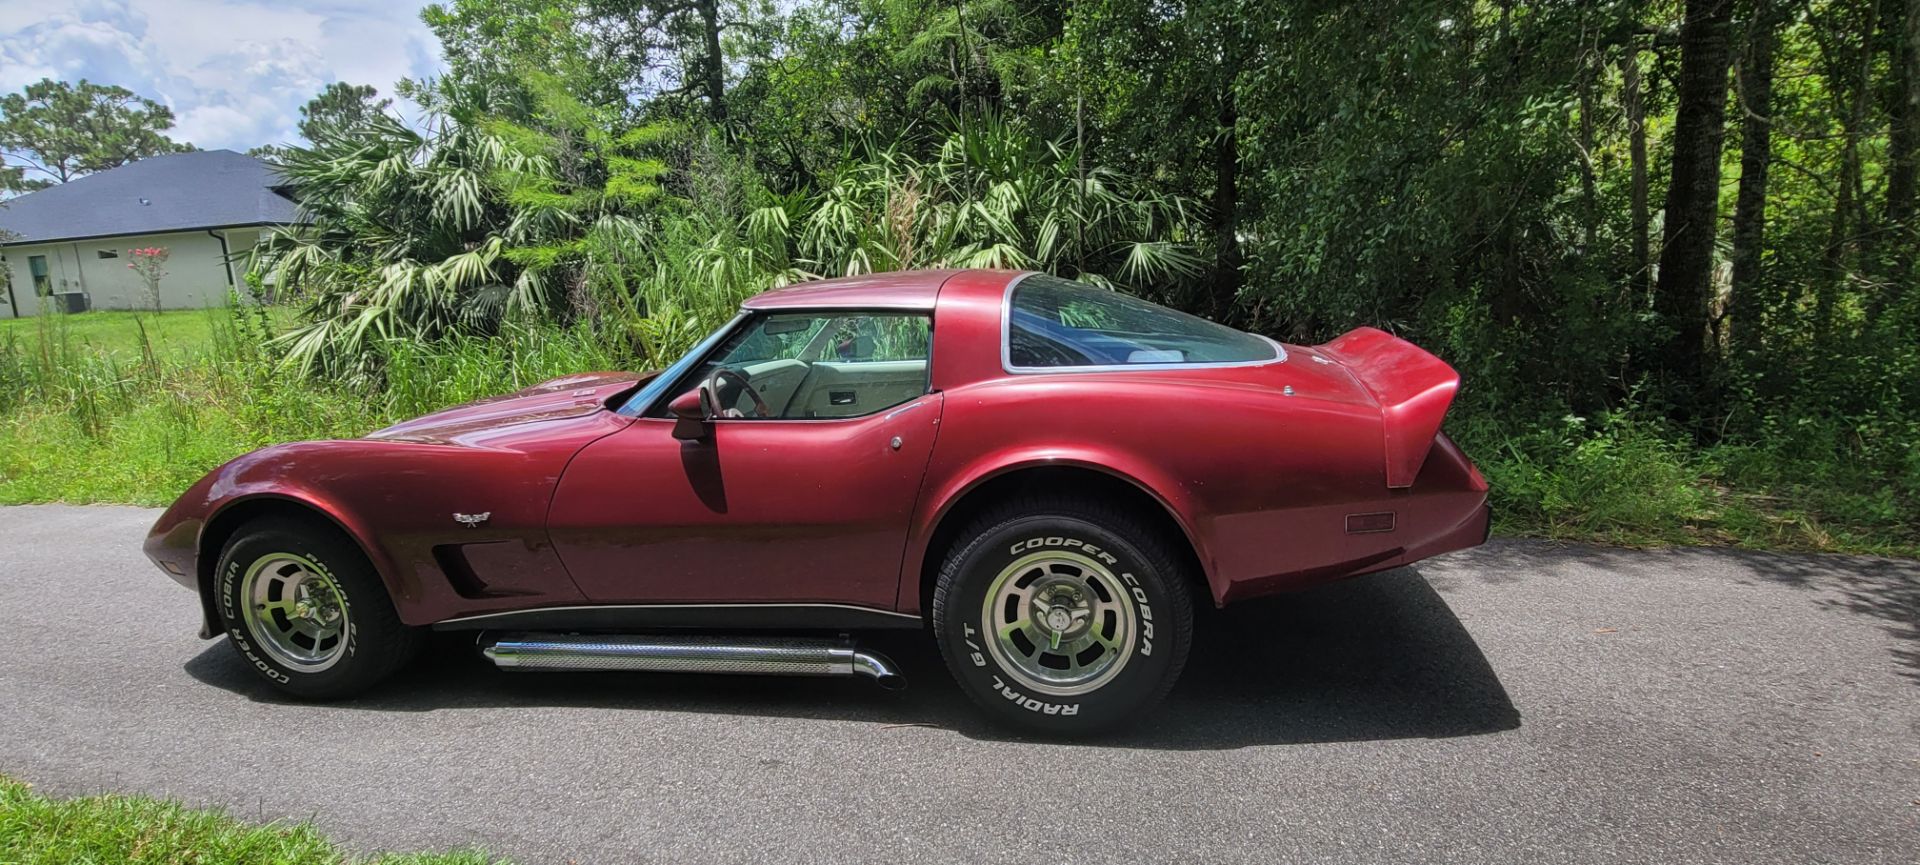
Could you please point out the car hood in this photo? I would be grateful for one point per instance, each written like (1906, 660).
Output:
(548, 406)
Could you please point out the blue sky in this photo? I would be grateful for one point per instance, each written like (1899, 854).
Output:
(235, 72)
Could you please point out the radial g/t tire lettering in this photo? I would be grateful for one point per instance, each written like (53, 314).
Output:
(1063, 616)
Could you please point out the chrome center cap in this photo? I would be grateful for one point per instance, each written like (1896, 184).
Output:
(303, 610)
(1059, 619)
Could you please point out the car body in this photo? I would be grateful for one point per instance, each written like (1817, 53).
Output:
(573, 506)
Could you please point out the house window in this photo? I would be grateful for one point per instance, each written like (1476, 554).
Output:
(42, 284)
(107, 253)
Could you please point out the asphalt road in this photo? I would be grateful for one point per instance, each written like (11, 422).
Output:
(1523, 703)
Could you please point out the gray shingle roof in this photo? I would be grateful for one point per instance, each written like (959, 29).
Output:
(181, 192)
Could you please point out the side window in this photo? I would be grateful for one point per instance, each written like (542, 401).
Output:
(818, 365)
(880, 339)
(1054, 323)
(778, 337)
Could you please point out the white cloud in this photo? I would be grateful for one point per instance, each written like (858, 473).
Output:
(234, 72)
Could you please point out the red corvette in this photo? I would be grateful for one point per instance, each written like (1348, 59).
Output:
(1044, 474)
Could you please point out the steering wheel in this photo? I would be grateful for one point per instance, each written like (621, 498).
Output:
(712, 386)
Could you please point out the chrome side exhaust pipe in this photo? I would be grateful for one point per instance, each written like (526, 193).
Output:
(759, 656)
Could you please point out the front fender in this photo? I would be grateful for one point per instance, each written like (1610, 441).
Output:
(451, 509)
(186, 540)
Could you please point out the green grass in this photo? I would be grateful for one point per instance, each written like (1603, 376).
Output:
(135, 830)
(91, 415)
(1627, 481)
(124, 334)
(120, 408)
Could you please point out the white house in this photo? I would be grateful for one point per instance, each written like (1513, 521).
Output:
(67, 247)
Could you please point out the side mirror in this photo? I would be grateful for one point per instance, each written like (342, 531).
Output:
(690, 415)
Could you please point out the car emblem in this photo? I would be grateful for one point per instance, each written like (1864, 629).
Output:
(472, 521)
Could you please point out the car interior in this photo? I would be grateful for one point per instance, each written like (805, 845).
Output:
(822, 365)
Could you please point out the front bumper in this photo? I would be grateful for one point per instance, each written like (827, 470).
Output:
(174, 547)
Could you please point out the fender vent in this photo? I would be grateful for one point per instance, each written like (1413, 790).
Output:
(452, 559)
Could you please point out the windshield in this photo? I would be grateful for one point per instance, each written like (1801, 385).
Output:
(661, 383)
(1056, 323)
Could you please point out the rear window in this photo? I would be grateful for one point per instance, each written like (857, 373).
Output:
(1057, 323)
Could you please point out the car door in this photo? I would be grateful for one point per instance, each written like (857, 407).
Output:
(807, 505)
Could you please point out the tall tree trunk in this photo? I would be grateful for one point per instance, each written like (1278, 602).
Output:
(1226, 206)
(1850, 229)
(1693, 195)
(1903, 164)
(1589, 195)
(1226, 173)
(1826, 294)
(1636, 111)
(1756, 156)
(962, 58)
(713, 70)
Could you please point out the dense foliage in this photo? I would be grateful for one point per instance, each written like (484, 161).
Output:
(1670, 243)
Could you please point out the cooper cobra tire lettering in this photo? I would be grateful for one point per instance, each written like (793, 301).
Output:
(1146, 613)
(239, 636)
(371, 624)
(239, 639)
(1148, 573)
(1065, 543)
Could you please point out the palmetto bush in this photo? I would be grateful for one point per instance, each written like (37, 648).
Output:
(994, 195)
(401, 238)
(417, 237)
(990, 195)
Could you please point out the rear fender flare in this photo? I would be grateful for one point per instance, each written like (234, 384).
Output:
(938, 504)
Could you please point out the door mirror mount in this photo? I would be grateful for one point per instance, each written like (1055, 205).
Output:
(692, 420)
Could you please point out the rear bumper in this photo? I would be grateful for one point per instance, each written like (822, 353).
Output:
(1469, 534)
(1444, 511)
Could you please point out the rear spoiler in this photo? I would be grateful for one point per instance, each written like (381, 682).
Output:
(1413, 389)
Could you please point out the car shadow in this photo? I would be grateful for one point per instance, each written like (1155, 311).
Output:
(1377, 657)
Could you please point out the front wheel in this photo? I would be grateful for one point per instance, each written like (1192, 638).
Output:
(305, 609)
(1063, 616)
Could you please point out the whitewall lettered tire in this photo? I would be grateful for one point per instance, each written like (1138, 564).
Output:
(1064, 616)
(304, 608)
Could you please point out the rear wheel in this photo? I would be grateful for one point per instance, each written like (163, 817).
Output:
(305, 609)
(1063, 616)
